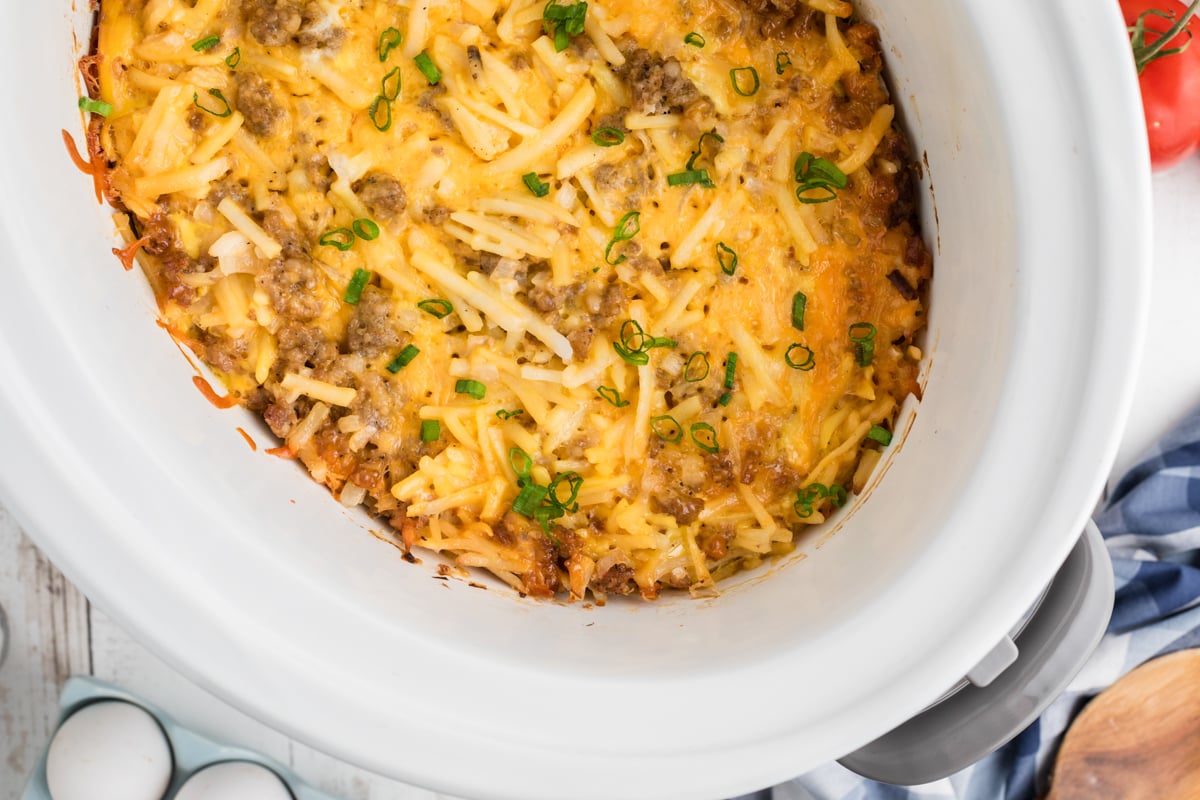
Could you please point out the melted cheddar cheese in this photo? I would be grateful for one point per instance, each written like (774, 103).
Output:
(438, 244)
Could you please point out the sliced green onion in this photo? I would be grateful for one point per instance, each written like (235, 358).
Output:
(666, 428)
(727, 258)
(628, 227)
(704, 436)
(437, 307)
(636, 357)
(730, 369)
(782, 62)
(341, 238)
(563, 22)
(608, 137)
(233, 59)
(381, 121)
(576, 18)
(808, 498)
(574, 483)
(694, 39)
(862, 332)
(91, 106)
(634, 336)
(689, 177)
(612, 396)
(863, 336)
(207, 43)
(529, 500)
(535, 184)
(697, 368)
(547, 514)
(520, 461)
(405, 358)
(389, 40)
(389, 87)
(506, 415)
(745, 80)
(881, 435)
(725, 399)
(469, 387)
(716, 137)
(804, 362)
(365, 229)
(543, 503)
(355, 290)
(799, 302)
(817, 179)
(428, 68)
(431, 430)
(217, 112)
(635, 343)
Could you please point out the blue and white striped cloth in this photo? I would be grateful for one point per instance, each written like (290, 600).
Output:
(1151, 525)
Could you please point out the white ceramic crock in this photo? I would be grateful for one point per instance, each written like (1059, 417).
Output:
(251, 580)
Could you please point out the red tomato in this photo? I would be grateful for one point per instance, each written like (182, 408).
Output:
(1170, 84)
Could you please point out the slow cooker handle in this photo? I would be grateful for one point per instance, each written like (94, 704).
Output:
(978, 719)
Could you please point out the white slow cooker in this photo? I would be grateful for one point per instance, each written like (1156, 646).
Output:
(251, 580)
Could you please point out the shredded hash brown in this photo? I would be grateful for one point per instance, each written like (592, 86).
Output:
(607, 297)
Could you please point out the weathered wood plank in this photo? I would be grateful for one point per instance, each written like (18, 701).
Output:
(50, 641)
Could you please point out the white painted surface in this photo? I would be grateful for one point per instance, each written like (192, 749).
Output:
(1169, 386)
(56, 633)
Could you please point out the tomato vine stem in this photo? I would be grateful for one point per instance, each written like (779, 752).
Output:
(1144, 54)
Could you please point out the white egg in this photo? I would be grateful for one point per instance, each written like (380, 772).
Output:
(234, 780)
(110, 750)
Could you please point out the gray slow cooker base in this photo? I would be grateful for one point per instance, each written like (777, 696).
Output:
(1011, 686)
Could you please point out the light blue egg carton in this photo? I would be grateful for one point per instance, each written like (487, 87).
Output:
(191, 751)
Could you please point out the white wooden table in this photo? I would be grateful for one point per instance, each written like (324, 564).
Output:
(57, 633)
